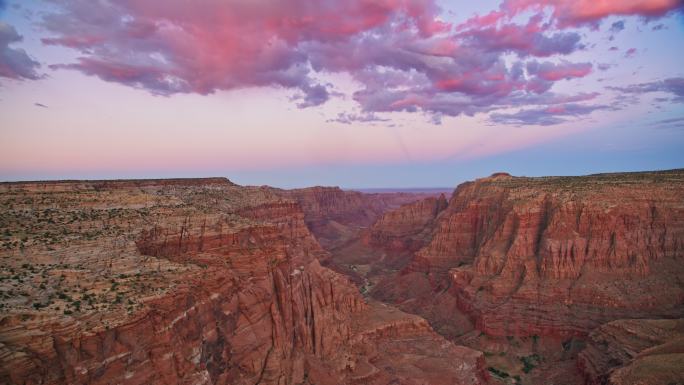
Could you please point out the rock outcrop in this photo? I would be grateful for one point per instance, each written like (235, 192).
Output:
(405, 227)
(635, 352)
(192, 282)
(556, 255)
(206, 282)
(335, 216)
(347, 206)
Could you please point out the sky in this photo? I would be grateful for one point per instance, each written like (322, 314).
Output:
(354, 93)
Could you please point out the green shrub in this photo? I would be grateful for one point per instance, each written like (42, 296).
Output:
(530, 362)
(498, 372)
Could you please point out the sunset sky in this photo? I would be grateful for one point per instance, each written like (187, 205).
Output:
(356, 93)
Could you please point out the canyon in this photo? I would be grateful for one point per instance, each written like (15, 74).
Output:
(511, 280)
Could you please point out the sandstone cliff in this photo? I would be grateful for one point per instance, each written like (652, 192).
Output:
(346, 206)
(404, 227)
(192, 282)
(335, 216)
(556, 255)
(635, 352)
(206, 282)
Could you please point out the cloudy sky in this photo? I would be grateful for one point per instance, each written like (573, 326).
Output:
(356, 93)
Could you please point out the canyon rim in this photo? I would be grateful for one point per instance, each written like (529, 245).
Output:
(341, 192)
(202, 281)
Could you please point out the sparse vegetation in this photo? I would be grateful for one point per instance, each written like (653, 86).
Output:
(530, 362)
(498, 373)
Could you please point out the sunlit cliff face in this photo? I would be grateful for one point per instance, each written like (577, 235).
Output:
(274, 91)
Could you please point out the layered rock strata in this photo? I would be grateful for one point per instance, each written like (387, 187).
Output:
(555, 255)
(635, 351)
(336, 216)
(192, 282)
(405, 228)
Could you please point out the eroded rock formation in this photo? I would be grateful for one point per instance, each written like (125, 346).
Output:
(556, 279)
(558, 255)
(406, 227)
(193, 282)
(335, 216)
(635, 351)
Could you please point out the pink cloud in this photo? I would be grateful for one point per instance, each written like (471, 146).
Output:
(555, 72)
(525, 40)
(174, 46)
(630, 52)
(404, 56)
(73, 41)
(573, 13)
(488, 20)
